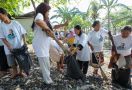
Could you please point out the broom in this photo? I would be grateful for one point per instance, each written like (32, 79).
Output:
(101, 70)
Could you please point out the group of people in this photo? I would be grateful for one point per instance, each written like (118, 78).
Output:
(89, 47)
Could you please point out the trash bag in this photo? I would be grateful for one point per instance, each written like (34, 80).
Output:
(3, 60)
(23, 58)
(122, 77)
(73, 70)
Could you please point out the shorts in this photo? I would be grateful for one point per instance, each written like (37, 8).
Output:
(11, 60)
(96, 56)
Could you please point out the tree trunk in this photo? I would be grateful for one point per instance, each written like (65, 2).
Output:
(46, 1)
(108, 18)
(33, 3)
(108, 12)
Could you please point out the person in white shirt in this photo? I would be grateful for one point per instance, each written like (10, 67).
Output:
(84, 52)
(96, 41)
(12, 35)
(41, 41)
(43, 32)
(57, 54)
(123, 43)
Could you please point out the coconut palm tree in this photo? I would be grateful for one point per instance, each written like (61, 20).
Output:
(109, 5)
(65, 13)
(93, 9)
(121, 18)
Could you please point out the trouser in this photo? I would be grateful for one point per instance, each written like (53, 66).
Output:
(128, 61)
(45, 67)
(3, 60)
(97, 57)
(83, 66)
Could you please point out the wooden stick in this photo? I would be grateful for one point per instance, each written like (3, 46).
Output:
(101, 70)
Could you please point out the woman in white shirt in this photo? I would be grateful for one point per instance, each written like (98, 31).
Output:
(41, 42)
(83, 53)
(43, 32)
(13, 36)
(96, 41)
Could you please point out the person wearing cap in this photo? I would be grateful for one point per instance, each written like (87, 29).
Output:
(96, 42)
(123, 43)
(122, 70)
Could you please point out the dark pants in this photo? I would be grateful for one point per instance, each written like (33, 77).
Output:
(83, 66)
(128, 61)
(96, 56)
(3, 60)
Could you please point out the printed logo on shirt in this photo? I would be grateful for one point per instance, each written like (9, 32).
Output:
(100, 39)
(11, 34)
(121, 47)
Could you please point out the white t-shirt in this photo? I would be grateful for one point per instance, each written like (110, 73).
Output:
(96, 38)
(123, 45)
(85, 53)
(13, 34)
(41, 41)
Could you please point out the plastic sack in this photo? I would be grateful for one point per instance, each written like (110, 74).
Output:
(23, 58)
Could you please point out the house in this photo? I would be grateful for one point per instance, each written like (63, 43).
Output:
(26, 20)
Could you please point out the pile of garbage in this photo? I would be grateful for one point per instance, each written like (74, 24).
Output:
(35, 81)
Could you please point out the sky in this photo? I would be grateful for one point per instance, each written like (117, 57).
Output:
(83, 5)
